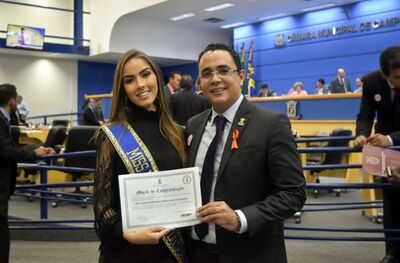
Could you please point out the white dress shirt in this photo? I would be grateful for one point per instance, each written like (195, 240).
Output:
(208, 135)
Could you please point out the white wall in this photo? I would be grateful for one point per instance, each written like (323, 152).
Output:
(104, 14)
(48, 86)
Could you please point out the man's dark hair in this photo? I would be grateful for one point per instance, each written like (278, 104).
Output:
(219, 46)
(172, 74)
(264, 86)
(322, 81)
(390, 59)
(7, 92)
(186, 82)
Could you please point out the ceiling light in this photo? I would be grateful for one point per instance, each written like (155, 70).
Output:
(218, 7)
(233, 25)
(176, 18)
(317, 7)
(272, 16)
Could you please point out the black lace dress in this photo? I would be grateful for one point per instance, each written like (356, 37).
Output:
(114, 248)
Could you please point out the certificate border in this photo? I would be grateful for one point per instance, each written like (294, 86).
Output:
(177, 172)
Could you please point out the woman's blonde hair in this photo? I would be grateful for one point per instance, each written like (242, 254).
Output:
(168, 128)
(298, 83)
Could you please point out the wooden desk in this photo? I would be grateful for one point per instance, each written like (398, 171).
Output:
(33, 136)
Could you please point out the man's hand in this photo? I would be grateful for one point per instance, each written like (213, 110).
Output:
(40, 151)
(218, 213)
(379, 140)
(360, 141)
(146, 236)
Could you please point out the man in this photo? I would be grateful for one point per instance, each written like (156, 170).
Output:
(9, 156)
(251, 176)
(381, 97)
(321, 88)
(174, 78)
(23, 109)
(99, 111)
(340, 84)
(359, 85)
(265, 91)
(89, 114)
(186, 103)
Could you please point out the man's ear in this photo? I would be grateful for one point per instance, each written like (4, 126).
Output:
(198, 86)
(242, 75)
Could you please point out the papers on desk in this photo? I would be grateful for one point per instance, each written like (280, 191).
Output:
(375, 160)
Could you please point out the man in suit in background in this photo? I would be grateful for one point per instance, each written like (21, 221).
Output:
(174, 78)
(89, 114)
(99, 111)
(381, 97)
(340, 84)
(251, 175)
(265, 91)
(9, 156)
(186, 103)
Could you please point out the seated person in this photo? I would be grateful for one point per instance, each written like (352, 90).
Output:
(321, 88)
(265, 91)
(297, 90)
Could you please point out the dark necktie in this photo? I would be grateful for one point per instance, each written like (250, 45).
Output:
(207, 173)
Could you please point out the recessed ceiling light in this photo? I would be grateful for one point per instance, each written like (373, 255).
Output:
(218, 7)
(176, 18)
(233, 25)
(317, 7)
(272, 16)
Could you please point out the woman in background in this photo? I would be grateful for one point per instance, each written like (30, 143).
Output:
(138, 111)
(297, 90)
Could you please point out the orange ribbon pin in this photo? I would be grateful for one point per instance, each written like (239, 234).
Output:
(235, 135)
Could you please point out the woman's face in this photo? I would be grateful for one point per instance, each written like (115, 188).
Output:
(140, 83)
(298, 88)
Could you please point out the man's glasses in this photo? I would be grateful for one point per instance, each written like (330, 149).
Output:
(223, 72)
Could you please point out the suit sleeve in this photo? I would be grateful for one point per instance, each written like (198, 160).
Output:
(365, 118)
(395, 138)
(9, 151)
(286, 179)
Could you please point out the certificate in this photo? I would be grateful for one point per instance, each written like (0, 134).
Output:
(376, 160)
(168, 198)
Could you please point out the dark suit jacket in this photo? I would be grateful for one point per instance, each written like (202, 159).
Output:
(263, 178)
(9, 156)
(336, 87)
(376, 99)
(186, 104)
(89, 117)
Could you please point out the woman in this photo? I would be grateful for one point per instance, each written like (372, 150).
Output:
(138, 107)
(297, 90)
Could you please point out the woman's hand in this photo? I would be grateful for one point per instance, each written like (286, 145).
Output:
(146, 236)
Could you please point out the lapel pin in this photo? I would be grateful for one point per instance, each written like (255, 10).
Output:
(235, 135)
(241, 121)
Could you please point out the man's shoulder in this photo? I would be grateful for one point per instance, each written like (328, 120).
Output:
(373, 76)
(198, 118)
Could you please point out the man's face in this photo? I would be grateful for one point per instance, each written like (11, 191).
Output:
(393, 77)
(319, 85)
(13, 104)
(358, 82)
(221, 91)
(175, 81)
(341, 73)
